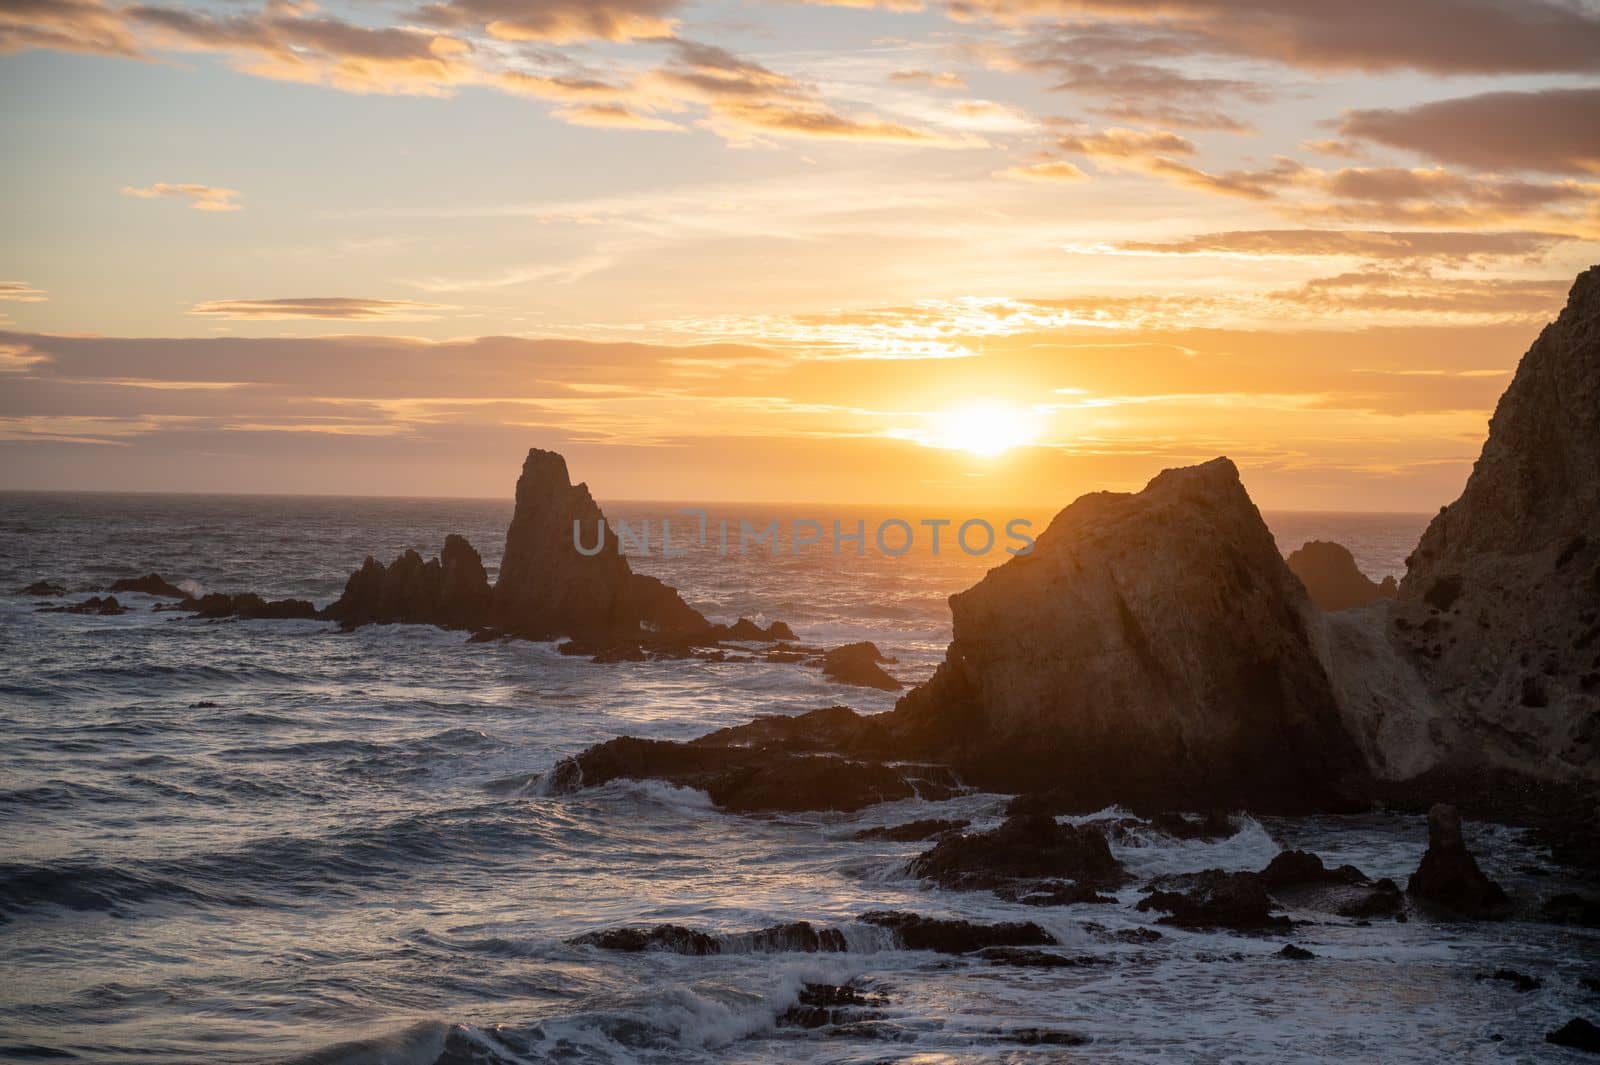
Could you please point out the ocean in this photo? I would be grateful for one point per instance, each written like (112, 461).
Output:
(246, 841)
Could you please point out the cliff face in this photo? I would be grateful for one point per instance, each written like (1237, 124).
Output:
(547, 588)
(1152, 647)
(1500, 605)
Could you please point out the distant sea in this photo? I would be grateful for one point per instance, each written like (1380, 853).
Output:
(267, 841)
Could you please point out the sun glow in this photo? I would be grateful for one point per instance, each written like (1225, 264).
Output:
(985, 429)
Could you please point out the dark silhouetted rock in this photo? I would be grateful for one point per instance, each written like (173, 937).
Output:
(1521, 983)
(1292, 867)
(1578, 1034)
(106, 606)
(548, 588)
(44, 589)
(1023, 848)
(915, 932)
(1449, 876)
(1572, 908)
(1037, 1037)
(796, 937)
(822, 1005)
(912, 831)
(1027, 958)
(250, 606)
(668, 937)
(1294, 953)
(857, 663)
(1052, 893)
(150, 584)
(1333, 581)
(741, 780)
(1152, 649)
(1214, 899)
(1500, 605)
(451, 591)
(745, 629)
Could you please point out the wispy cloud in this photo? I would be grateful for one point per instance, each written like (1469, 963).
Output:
(199, 197)
(21, 292)
(339, 308)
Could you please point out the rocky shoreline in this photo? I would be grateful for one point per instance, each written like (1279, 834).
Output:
(1153, 654)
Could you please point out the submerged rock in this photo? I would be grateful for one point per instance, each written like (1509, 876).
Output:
(250, 606)
(1500, 605)
(1572, 908)
(1332, 579)
(1294, 953)
(857, 664)
(822, 1005)
(1028, 847)
(96, 605)
(750, 780)
(1521, 983)
(668, 937)
(1449, 875)
(1214, 898)
(915, 932)
(150, 584)
(1578, 1034)
(912, 831)
(1153, 649)
(43, 589)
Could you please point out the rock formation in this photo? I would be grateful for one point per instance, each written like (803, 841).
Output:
(548, 588)
(1500, 605)
(251, 607)
(857, 664)
(150, 584)
(451, 591)
(1151, 647)
(1449, 876)
(1332, 579)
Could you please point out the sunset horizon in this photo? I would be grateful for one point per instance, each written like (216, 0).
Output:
(710, 247)
(800, 532)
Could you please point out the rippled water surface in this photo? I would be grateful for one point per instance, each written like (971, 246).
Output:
(267, 841)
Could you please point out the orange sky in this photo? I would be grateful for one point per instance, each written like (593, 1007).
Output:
(954, 251)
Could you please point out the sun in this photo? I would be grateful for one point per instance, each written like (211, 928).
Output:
(983, 428)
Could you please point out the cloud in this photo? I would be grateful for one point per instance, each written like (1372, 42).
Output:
(614, 116)
(1057, 170)
(289, 43)
(467, 46)
(1114, 144)
(1556, 131)
(341, 308)
(21, 292)
(200, 197)
(1262, 183)
(931, 78)
(1366, 291)
(85, 26)
(744, 99)
(1112, 67)
(1360, 243)
(558, 21)
(1433, 36)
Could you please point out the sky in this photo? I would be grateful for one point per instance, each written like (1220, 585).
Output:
(941, 252)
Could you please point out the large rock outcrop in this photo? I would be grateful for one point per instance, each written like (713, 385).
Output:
(548, 588)
(1500, 606)
(1333, 580)
(1152, 647)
